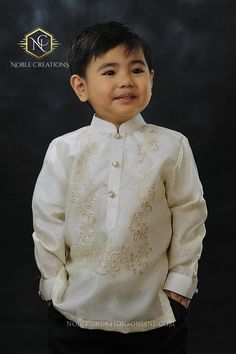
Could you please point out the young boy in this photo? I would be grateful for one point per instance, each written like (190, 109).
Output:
(118, 211)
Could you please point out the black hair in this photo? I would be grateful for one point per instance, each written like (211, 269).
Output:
(96, 40)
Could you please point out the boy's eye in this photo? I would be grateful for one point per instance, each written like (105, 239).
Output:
(137, 71)
(109, 73)
(112, 72)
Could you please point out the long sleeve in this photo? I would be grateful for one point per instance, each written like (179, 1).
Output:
(48, 206)
(189, 212)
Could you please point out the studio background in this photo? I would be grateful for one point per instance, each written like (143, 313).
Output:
(193, 45)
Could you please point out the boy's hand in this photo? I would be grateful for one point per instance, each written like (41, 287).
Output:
(185, 301)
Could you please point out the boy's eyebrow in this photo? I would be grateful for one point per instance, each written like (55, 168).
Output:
(135, 61)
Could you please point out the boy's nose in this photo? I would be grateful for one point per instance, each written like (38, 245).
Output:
(126, 81)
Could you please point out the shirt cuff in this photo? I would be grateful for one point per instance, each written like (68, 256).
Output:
(181, 284)
(45, 288)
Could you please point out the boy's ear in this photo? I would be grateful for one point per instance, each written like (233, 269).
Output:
(152, 76)
(79, 86)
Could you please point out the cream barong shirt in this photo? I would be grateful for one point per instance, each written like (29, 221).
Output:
(118, 216)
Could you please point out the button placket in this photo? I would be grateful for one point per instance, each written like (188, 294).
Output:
(114, 180)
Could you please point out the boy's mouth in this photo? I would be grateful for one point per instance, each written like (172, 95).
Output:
(126, 97)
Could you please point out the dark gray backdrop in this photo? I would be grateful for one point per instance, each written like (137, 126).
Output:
(193, 44)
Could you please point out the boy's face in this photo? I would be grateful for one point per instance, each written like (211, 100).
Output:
(117, 86)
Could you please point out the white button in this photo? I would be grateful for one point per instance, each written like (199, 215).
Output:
(115, 163)
(117, 136)
(111, 194)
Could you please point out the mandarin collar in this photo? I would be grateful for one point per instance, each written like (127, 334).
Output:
(106, 126)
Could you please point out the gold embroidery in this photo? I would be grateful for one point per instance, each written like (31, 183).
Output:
(146, 193)
(82, 195)
(149, 143)
(111, 261)
(139, 230)
(106, 258)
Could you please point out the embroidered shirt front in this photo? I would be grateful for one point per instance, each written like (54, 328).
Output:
(118, 216)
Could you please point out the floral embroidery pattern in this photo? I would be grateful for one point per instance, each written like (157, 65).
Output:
(107, 258)
(149, 143)
(146, 192)
(81, 193)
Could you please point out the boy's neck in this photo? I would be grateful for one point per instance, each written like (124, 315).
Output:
(117, 124)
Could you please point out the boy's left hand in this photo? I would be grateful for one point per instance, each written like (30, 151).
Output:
(185, 301)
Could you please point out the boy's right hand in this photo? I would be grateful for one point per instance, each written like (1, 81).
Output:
(180, 298)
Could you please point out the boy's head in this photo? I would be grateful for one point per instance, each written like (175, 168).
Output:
(111, 69)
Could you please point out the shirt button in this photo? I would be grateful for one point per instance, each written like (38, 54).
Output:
(115, 163)
(117, 136)
(111, 194)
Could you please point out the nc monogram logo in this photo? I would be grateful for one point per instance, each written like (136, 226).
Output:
(38, 43)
